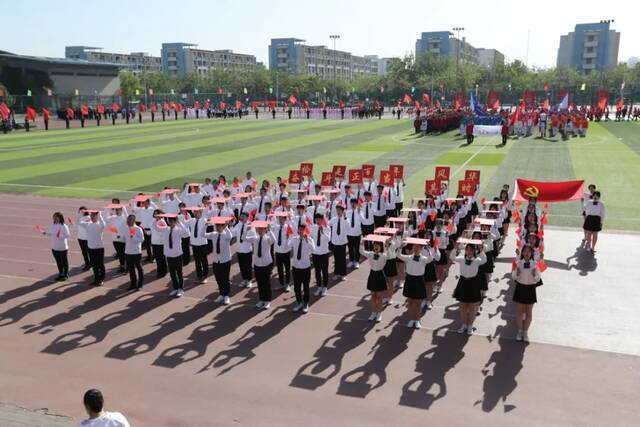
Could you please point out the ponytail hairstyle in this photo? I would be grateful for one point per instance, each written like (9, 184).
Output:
(59, 217)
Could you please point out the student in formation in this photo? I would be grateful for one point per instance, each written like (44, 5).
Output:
(414, 287)
(172, 235)
(157, 244)
(366, 218)
(221, 238)
(261, 242)
(302, 247)
(354, 234)
(244, 251)
(321, 238)
(58, 234)
(116, 219)
(143, 211)
(379, 207)
(527, 278)
(391, 266)
(183, 217)
(430, 250)
(197, 226)
(594, 218)
(94, 229)
(83, 216)
(467, 291)
(339, 227)
(133, 237)
(376, 282)
(283, 232)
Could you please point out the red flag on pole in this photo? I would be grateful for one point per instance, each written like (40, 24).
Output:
(426, 99)
(31, 114)
(562, 191)
(407, 99)
(293, 100)
(238, 105)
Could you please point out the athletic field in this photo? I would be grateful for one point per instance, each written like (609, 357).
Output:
(125, 159)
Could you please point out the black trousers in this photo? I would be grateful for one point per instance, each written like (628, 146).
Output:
(469, 139)
(301, 279)
(200, 258)
(398, 208)
(134, 265)
(504, 139)
(263, 277)
(245, 261)
(366, 230)
(62, 261)
(221, 273)
(283, 263)
(354, 248)
(391, 213)
(147, 244)
(84, 248)
(97, 263)
(186, 251)
(119, 247)
(340, 260)
(321, 269)
(161, 261)
(379, 221)
(175, 271)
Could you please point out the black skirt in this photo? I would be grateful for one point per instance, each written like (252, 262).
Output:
(488, 266)
(430, 272)
(474, 209)
(525, 294)
(376, 281)
(468, 290)
(414, 287)
(443, 257)
(592, 223)
(390, 269)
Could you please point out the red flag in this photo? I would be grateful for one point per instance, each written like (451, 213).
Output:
(562, 191)
(516, 217)
(514, 264)
(355, 176)
(544, 220)
(603, 99)
(84, 110)
(436, 243)
(100, 108)
(426, 99)
(545, 104)
(541, 266)
(519, 243)
(324, 222)
(450, 227)
(132, 231)
(407, 99)
(417, 104)
(31, 114)
(46, 114)
(442, 173)
(289, 230)
(113, 230)
(238, 105)
(514, 117)
(293, 100)
(421, 227)
(38, 228)
(368, 171)
(493, 100)
(70, 113)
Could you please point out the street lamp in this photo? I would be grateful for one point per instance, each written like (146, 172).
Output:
(458, 30)
(335, 37)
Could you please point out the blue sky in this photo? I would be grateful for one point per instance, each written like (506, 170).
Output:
(382, 27)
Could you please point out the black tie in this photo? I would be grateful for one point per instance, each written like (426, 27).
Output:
(397, 189)
(300, 249)
(315, 211)
(366, 210)
(330, 209)
(218, 244)
(299, 221)
(195, 233)
(260, 207)
(220, 212)
(353, 219)
(416, 258)
(171, 238)
(260, 247)
(339, 221)
(379, 200)
(241, 231)
(280, 236)
(318, 243)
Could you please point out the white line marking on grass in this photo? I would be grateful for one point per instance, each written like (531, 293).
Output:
(469, 159)
(59, 187)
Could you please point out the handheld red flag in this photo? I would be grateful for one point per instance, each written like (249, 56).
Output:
(113, 230)
(38, 228)
(514, 264)
(289, 230)
(132, 231)
(541, 266)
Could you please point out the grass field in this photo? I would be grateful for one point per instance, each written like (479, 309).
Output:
(106, 161)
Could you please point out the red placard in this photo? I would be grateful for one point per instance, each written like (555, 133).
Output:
(306, 169)
(442, 173)
(295, 176)
(397, 171)
(466, 188)
(339, 171)
(368, 171)
(432, 187)
(472, 175)
(355, 176)
(386, 178)
(328, 180)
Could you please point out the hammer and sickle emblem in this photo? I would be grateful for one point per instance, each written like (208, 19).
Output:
(532, 191)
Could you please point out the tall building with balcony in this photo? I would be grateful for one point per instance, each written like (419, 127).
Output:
(590, 47)
(184, 58)
(444, 43)
(137, 62)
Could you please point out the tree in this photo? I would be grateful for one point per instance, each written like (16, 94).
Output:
(129, 83)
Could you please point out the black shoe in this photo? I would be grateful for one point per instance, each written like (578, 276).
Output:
(86, 268)
(62, 278)
(58, 278)
(122, 270)
(132, 287)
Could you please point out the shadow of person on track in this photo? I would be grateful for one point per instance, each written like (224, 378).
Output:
(19, 291)
(169, 325)
(327, 360)
(585, 262)
(98, 330)
(224, 323)
(358, 381)
(433, 365)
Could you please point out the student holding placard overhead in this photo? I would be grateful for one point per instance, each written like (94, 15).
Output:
(414, 287)
(221, 238)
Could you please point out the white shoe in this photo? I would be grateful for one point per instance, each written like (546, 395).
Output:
(266, 305)
(525, 336)
(226, 301)
(356, 264)
(260, 304)
(247, 284)
(180, 293)
(324, 292)
(349, 264)
(423, 305)
(318, 291)
(519, 336)
(342, 278)
(385, 300)
(203, 281)
(417, 324)
(470, 330)
(462, 328)
(173, 293)
(401, 284)
(429, 305)
(378, 317)
(287, 288)
(219, 299)
(410, 323)
(305, 308)
(297, 307)
(372, 317)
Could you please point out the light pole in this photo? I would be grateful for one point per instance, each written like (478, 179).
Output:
(335, 37)
(459, 45)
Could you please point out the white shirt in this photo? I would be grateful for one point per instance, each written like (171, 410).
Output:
(94, 232)
(323, 247)
(117, 221)
(379, 204)
(225, 245)
(413, 267)
(170, 206)
(173, 236)
(339, 235)
(145, 215)
(355, 220)
(305, 251)
(242, 231)
(526, 273)
(82, 232)
(260, 202)
(265, 241)
(247, 207)
(431, 253)
(299, 219)
(107, 419)
(201, 228)
(192, 199)
(59, 234)
(398, 191)
(595, 208)
(367, 213)
(132, 244)
(281, 235)
(156, 231)
(313, 210)
(470, 270)
(375, 264)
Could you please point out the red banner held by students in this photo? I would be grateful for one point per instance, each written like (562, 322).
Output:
(466, 188)
(563, 191)
(355, 176)
(328, 179)
(442, 173)
(295, 176)
(368, 171)
(397, 171)
(472, 175)
(339, 171)
(306, 169)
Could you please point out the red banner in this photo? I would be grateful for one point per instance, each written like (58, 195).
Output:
(442, 173)
(295, 177)
(466, 188)
(397, 171)
(493, 100)
(458, 100)
(386, 178)
(563, 191)
(355, 176)
(472, 175)
(432, 187)
(339, 171)
(306, 169)
(368, 171)
(327, 179)
(602, 99)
